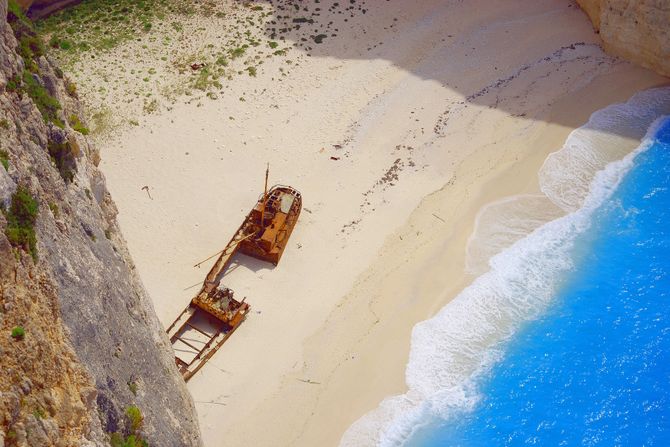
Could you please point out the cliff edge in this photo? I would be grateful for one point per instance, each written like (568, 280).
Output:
(85, 361)
(637, 30)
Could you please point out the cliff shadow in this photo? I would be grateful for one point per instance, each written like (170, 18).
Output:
(508, 54)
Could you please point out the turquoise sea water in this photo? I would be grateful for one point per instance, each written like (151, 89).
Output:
(592, 368)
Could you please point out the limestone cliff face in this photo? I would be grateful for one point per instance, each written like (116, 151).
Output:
(638, 30)
(93, 346)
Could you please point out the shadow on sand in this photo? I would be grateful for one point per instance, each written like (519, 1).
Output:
(503, 55)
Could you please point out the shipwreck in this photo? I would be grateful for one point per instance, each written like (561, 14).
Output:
(214, 313)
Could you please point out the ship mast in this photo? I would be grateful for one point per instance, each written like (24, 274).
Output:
(265, 196)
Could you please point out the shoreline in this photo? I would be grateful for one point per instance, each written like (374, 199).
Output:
(516, 180)
(387, 348)
(394, 163)
(508, 324)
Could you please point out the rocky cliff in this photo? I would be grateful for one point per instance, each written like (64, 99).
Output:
(84, 359)
(638, 30)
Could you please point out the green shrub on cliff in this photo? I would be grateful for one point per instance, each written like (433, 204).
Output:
(77, 125)
(46, 104)
(4, 159)
(39, 413)
(135, 417)
(14, 84)
(71, 88)
(116, 440)
(134, 439)
(30, 44)
(30, 48)
(54, 209)
(21, 218)
(17, 18)
(18, 333)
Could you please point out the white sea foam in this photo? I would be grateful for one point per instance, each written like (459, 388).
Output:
(500, 224)
(452, 349)
(609, 134)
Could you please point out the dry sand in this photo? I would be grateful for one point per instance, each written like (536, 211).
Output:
(397, 131)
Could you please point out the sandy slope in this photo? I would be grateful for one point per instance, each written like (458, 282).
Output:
(457, 107)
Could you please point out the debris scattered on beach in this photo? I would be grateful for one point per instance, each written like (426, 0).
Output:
(309, 381)
(146, 188)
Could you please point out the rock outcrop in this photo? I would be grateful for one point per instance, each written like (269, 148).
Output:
(637, 30)
(79, 341)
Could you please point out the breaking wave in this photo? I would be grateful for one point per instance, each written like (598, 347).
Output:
(450, 351)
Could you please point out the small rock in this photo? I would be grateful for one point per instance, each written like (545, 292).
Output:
(7, 188)
(20, 439)
(50, 427)
(87, 229)
(50, 404)
(57, 135)
(35, 433)
(88, 396)
(26, 386)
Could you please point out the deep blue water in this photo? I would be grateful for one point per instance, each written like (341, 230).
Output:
(594, 369)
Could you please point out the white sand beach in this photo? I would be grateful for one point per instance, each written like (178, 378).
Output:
(396, 131)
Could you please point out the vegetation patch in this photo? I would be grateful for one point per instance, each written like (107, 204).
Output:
(139, 56)
(104, 24)
(39, 413)
(238, 52)
(30, 49)
(30, 45)
(117, 440)
(46, 104)
(77, 125)
(16, 16)
(54, 209)
(133, 439)
(21, 218)
(71, 89)
(4, 159)
(135, 417)
(206, 79)
(18, 333)
(13, 84)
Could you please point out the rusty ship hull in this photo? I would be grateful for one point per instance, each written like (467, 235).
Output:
(214, 314)
(281, 206)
